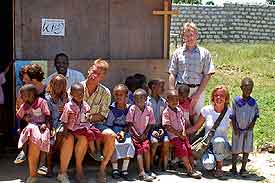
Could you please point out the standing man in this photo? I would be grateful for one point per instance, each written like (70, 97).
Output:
(61, 63)
(191, 65)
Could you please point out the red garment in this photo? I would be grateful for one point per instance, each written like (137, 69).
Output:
(90, 133)
(141, 146)
(182, 147)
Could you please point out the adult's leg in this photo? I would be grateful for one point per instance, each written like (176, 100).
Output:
(66, 152)
(80, 151)
(33, 157)
(109, 146)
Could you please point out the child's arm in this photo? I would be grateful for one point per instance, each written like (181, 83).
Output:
(146, 131)
(172, 130)
(233, 119)
(252, 124)
(133, 131)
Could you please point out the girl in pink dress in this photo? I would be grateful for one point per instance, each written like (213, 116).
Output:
(35, 112)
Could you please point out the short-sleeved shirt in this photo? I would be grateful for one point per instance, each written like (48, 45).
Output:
(244, 111)
(74, 115)
(189, 67)
(72, 76)
(175, 119)
(38, 110)
(211, 116)
(117, 118)
(54, 108)
(99, 101)
(140, 119)
(185, 106)
(2, 81)
(157, 106)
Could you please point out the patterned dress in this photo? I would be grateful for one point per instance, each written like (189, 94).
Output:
(244, 112)
(117, 122)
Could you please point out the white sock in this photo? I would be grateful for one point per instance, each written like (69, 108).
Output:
(115, 166)
(125, 165)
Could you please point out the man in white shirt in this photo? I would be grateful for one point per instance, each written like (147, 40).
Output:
(61, 63)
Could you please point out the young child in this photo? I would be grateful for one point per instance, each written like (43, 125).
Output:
(173, 121)
(124, 148)
(244, 115)
(35, 112)
(75, 118)
(140, 119)
(56, 97)
(158, 135)
(185, 104)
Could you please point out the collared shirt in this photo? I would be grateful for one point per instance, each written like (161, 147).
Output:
(99, 101)
(72, 76)
(174, 119)
(157, 106)
(38, 111)
(140, 119)
(190, 66)
(74, 116)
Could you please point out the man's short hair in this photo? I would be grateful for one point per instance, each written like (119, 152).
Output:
(189, 26)
(61, 55)
(102, 64)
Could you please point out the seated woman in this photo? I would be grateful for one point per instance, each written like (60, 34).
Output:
(213, 158)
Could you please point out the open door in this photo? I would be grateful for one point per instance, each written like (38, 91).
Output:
(7, 117)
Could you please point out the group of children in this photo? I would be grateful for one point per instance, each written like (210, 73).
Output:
(142, 123)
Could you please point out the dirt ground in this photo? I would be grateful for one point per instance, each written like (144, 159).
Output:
(261, 166)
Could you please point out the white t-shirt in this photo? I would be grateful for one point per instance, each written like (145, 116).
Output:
(211, 116)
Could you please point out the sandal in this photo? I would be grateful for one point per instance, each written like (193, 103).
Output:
(115, 174)
(244, 173)
(96, 156)
(43, 170)
(125, 175)
(194, 174)
(233, 171)
(218, 173)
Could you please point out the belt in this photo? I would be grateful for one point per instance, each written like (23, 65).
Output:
(190, 85)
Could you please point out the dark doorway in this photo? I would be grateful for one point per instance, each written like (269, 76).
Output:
(6, 58)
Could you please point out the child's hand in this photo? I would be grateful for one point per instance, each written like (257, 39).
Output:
(155, 134)
(143, 137)
(161, 132)
(43, 127)
(236, 131)
(53, 132)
